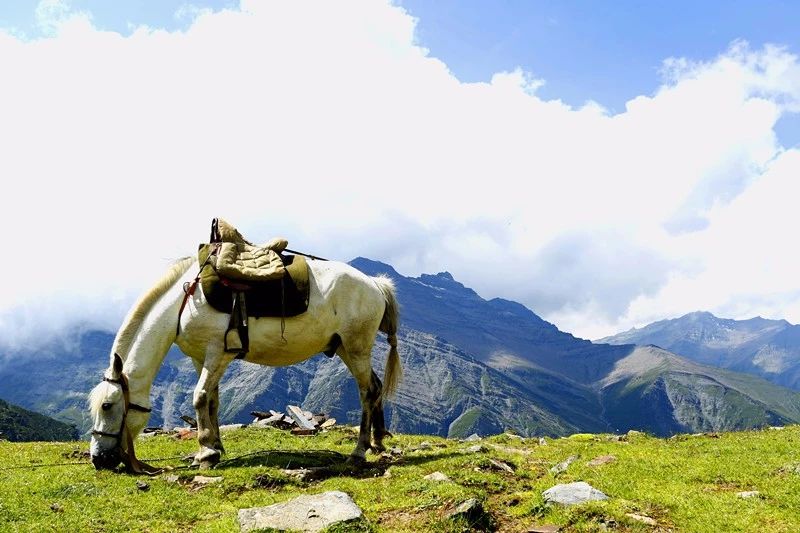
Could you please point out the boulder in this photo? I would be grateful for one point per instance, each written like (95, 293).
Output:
(572, 493)
(304, 513)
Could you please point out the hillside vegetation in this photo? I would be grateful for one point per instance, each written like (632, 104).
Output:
(18, 424)
(684, 483)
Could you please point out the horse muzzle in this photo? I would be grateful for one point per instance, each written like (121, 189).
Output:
(106, 460)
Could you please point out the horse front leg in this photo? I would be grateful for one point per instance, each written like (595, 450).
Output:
(206, 403)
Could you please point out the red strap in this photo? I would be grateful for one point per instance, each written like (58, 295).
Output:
(188, 290)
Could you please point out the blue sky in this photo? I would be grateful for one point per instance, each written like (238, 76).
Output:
(430, 135)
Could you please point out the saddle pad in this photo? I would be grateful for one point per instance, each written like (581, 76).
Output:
(264, 299)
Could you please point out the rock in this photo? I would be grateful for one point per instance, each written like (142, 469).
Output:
(231, 427)
(329, 423)
(500, 465)
(56, 508)
(186, 434)
(563, 465)
(601, 460)
(141, 485)
(304, 513)
(436, 476)
(749, 494)
(776, 428)
(472, 512)
(476, 449)
(472, 438)
(425, 445)
(542, 441)
(204, 480)
(641, 518)
(544, 528)
(172, 478)
(572, 493)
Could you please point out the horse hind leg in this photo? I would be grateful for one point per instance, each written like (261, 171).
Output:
(359, 365)
(378, 422)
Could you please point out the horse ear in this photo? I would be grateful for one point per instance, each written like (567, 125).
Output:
(116, 369)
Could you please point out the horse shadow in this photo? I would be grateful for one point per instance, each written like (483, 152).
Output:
(318, 465)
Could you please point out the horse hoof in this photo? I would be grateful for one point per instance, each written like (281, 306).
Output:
(356, 460)
(207, 465)
(378, 449)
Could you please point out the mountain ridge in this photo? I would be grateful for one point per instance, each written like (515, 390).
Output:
(767, 348)
(471, 366)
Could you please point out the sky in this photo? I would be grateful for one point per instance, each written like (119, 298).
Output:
(605, 164)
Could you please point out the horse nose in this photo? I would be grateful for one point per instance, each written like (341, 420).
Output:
(105, 461)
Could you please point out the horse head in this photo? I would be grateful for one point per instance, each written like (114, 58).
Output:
(112, 431)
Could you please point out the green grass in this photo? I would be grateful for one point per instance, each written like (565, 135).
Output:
(686, 483)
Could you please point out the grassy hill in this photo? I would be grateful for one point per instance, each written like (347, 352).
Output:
(684, 483)
(18, 424)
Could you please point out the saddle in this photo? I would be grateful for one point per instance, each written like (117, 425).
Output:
(245, 280)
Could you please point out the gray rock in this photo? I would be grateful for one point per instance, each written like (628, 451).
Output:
(572, 493)
(747, 494)
(476, 449)
(473, 512)
(642, 518)
(231, 427)
(563, 465)
(436, 476)
(305, 513)
(472, 438)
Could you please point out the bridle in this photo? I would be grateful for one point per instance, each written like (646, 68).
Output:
(128, 405)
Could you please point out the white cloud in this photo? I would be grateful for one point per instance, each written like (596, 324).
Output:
(324, 122)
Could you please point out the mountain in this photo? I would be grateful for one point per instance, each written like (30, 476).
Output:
(471, 366)
(758, 346)
(18, 424)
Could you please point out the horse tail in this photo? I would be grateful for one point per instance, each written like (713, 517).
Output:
(389, 324)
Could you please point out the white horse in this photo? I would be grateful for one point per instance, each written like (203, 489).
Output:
(346, 310)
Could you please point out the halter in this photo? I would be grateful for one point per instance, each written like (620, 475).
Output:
(123, 383)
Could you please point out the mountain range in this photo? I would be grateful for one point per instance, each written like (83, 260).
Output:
(758, 346)
(471, 366)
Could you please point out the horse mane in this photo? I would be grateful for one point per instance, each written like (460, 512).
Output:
(133, 321)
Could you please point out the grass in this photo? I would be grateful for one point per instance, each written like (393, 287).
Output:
(686, 483)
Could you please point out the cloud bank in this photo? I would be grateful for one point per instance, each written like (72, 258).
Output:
(326, 123)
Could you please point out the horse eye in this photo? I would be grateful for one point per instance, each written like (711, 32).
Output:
(106, 406)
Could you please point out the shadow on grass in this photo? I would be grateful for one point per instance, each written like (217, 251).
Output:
(317, 465)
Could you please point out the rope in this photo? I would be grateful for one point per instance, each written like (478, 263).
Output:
(333, 457)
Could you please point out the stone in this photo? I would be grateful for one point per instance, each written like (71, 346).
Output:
(747, 494)
(472, 438)
(141, 485)
(572, 493)
(472, 511)
(436, 476)
(205, 480)
(542, 441)
(601, 460)
(305, 513)
(425, 445)
(329, 423)
(500, 465)
(476, 449)
(563, 465)
(231, 427)
(544, 528)
(641, 518)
